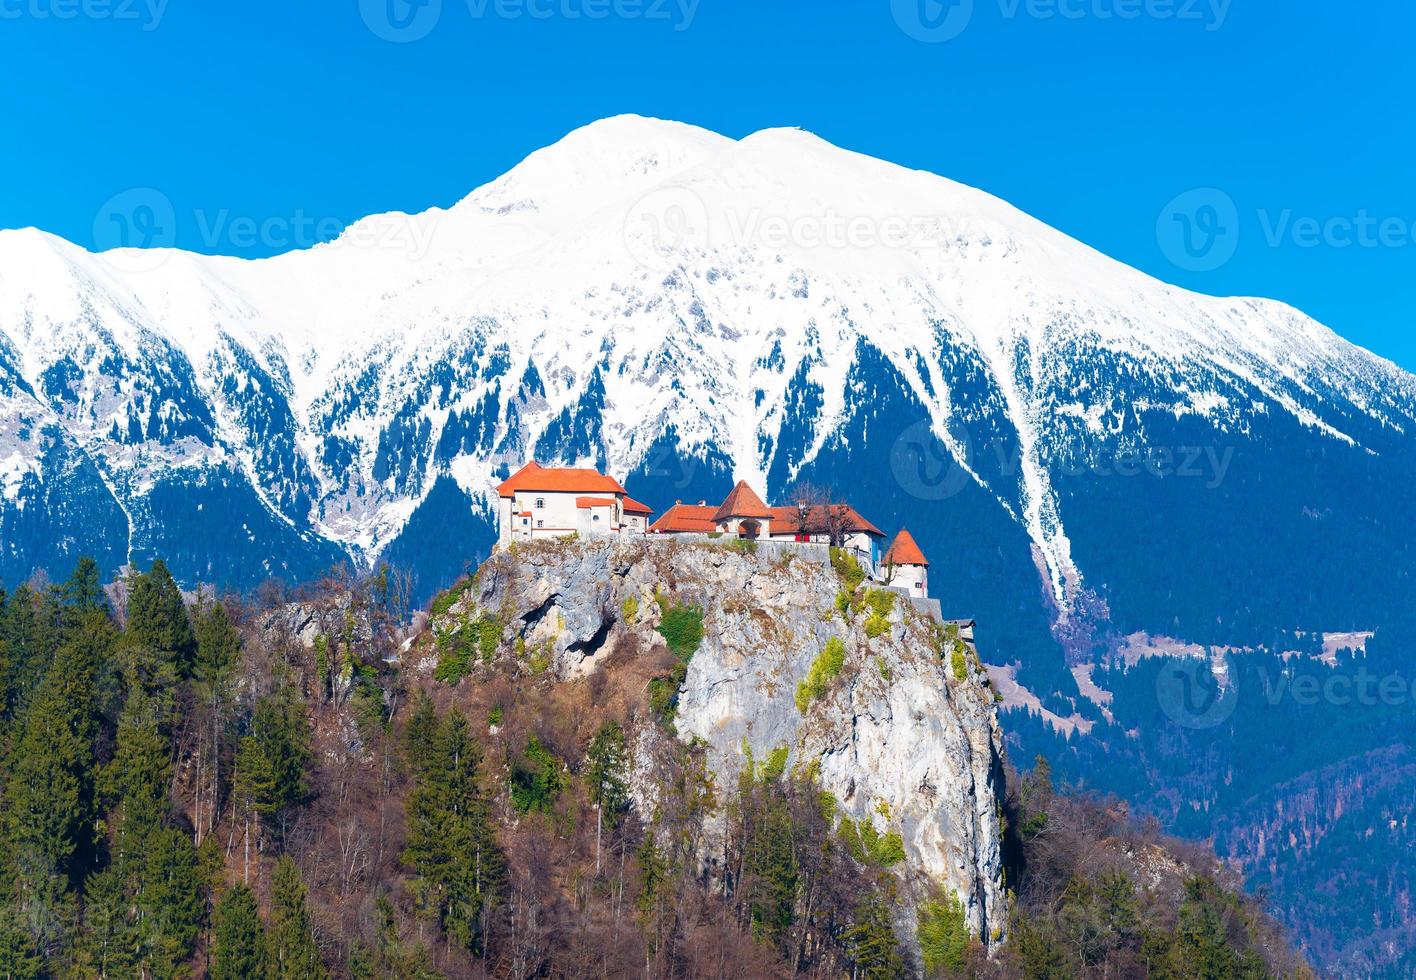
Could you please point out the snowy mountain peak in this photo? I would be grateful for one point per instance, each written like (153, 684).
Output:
(641, 295)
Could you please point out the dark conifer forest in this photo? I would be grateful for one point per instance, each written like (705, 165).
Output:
(256, 787)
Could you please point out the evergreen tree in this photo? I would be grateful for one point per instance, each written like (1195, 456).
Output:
(158, 625)
(50, 810)
(871, 940)
(218, 647)
(608, 776)
(110, 944)
(83, 592)
(218, 644)
(943, 934)
(769, 861)
(451, 840)
(271, 761)
(420, 735)
(240, 942)
(1201, 939)
(137, 779)
(291, 950)
(390, 958)
(28, 637)
(170, 901)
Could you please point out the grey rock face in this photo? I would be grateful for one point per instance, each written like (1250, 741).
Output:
(896, 737)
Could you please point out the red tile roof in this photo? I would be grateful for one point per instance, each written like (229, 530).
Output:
(632, 506)
(534, 476)
(904, 551)
(686, 517)
(583, 502)
(742, 502)
(784, 519)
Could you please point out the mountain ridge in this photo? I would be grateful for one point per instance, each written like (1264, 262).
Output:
(354, 350)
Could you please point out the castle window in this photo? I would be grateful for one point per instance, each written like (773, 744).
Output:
(540, 503)
(540, 523)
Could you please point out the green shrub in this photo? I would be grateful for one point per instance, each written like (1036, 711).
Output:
(776, 763)
(494, 717)
(746, 546)
(630, 608)
(958, 663)
(884, 669)
(943, 936)
(880, 602)
(682, 627)
(843, 604)
(539, 660)
(447, 599)
(536, 778)
(824, 668)
(847, 568)
(458, 646)
(890, 849)
(864, 843)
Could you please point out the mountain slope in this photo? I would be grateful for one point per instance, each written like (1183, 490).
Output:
(1096, 462)
(645, 292)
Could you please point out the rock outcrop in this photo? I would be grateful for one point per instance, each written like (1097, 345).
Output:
(900, 730)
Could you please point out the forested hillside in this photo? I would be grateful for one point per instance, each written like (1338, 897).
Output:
(261, 787)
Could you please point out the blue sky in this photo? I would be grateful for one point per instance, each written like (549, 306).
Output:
(1252, 147)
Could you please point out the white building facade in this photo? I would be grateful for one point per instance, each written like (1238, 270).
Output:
(542, 502)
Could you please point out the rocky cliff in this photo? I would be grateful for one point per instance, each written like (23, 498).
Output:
(885, 709)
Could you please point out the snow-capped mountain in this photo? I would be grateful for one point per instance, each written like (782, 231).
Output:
(1058, 429)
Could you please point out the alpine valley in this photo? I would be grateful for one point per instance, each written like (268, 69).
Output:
(1122, 481)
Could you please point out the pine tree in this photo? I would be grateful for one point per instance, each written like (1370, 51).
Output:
(170, 900)
(451, 839)
(137, 779)
(110, 943)
(291, 950)
(83, 592)
(240, 942)
(420, 735)
(28, 638)
(218, 647)
(50, 811)
(871, 940)
(271, 761)
(158, 624)
(608, 776)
